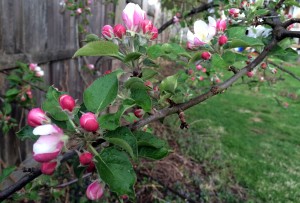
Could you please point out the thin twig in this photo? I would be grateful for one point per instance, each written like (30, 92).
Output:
(284, 70)
(73, 181)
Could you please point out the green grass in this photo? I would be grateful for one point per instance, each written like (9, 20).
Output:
(246, 137)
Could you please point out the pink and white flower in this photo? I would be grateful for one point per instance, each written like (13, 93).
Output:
(132, 16)
(48, 168)
(94, 191)
(107, 32)
(49, 144)
(88, 121)
(221, 25)
(154, 33)
(203, 32)
(119, 31)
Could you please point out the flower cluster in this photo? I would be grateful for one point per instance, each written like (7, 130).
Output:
(135, 21)
(37, 69)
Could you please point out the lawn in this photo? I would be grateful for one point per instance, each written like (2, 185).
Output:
(249, 142)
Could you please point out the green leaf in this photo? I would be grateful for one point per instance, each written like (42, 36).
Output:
(195, 57)
(132, 56)
(139, 93)
(115, 169)
(123, 138)
(150, 63)
(112, 121)
(14, 78)
(150, 146)
(260, 12)
(51, 105)
(218, 62)
(284, 54)
(6, 172)
(148, 73)
(155, 51)
(6, 108)
(91, 38)
(12, 92)
(238, 38)
(169, 84)
(292, 3)
(26, 133)
(101, 92)
(98, 48)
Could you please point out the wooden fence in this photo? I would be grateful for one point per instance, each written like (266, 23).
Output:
(40, 31)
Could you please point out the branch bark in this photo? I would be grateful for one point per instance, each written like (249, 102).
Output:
(199, 9)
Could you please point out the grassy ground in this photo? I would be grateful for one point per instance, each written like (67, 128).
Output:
(248, 142)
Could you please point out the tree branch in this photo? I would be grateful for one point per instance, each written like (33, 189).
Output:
(295, 34)
(199, 9)
(279, 4)
(290, 21)
(284, 70)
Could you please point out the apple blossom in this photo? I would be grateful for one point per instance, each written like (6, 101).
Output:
(203, 32)
(107, 72)
(85, 158)
(32, 66)
(205, 55)
(88, 121)
(203, 70)
(107, 32)
(36, 117)
(258, 31)
(148, 84)
(201, 78)
(49, 144)
(91, 167)
(79, 11)
(94, 191)
(66, 102)
(132, 16)
(48, 168)
(119, 31)
(222, 40)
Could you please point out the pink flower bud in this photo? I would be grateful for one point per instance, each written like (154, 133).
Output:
(107, 72)
(154, 33)
(39, 73)
(218, 80)
(36, 117)
(119, 31)
(23, 98)
(91, 168)
(79, 11)
(234, 12)
(155, 88)
(48, 168)
(274, 70)
(90, 66)
(88, 121)
(198, 67)
(139, 113)
(190, 72)
(29, 94)
(263, 65)
(148, 84)
(94, 191)
(203, 70)
(66, 102)
(192, 78)
(32, 66)
(222, 40)
(201, 78)
(146, 26)
(85, 158)
(107, 32)
(221, 25)
(205, 55)
(250, 74)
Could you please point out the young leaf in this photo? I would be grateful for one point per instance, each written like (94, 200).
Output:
(150, 146)
(101, 92)
(124, 138)
(91, 38)
(115, 169)
(139, 93)
(155, 51)
(169, 84)
(6, 172)
(132, 56)
(218, 62)
(51, 105)
(26, 133)
(98, 48)
(148, 73)
(112, 121)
